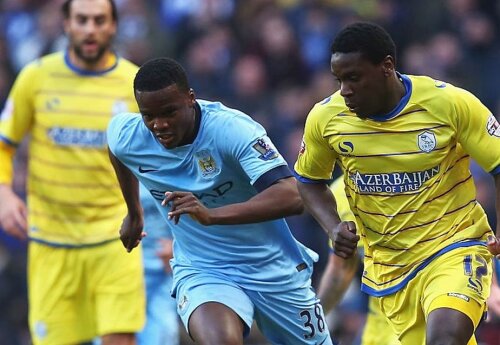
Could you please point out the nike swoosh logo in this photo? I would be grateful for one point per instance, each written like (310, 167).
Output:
(141, 170)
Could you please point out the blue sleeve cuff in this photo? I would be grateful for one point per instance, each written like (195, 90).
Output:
(269, 178)
(311, 181)
(8, 141)
(495, 171)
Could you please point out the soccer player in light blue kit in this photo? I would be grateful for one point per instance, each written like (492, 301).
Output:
(161, 326)
(225, 189)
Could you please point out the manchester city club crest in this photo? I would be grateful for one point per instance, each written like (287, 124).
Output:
(207, 164)
(426, 141)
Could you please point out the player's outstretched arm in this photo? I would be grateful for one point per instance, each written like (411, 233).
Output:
(318, 200)
(335, 280)
(281, 199)
(131, 231)
(494, 242)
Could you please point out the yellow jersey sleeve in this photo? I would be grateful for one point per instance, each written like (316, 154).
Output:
(16, 119)
(343, 209)
(478, 131)
(316, 159)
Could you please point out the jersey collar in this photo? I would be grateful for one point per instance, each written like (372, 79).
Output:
(81, 71)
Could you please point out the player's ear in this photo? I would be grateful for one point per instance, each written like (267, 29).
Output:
(192, 96)
(388, 65)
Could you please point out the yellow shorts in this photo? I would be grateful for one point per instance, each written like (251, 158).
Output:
(377, 330)
(459, 279)
(76, 294)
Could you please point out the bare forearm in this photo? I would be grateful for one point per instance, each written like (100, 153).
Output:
(279, 200)
(319, 201)
(335, 280)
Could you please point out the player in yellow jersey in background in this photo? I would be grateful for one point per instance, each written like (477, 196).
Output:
(339, 273)
(81, 281)
(403, 143)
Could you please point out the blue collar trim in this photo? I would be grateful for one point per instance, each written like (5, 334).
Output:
(86, 72)
(402, 103)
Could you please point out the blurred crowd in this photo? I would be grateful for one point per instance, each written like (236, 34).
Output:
(270, 59)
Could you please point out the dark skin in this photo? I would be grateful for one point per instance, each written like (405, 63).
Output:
(371, 89)
(169, 113)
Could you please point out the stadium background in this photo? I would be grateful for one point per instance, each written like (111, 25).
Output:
(269, 58)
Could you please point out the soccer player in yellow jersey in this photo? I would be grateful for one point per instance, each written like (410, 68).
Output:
(404, 144)
(339, 273)
(81, 281)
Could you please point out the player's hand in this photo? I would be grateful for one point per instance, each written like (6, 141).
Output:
(186, 203)
(493, 244)
(13, 213)
(165, 253)
(344, 239)
(493, 301)
(131, 232)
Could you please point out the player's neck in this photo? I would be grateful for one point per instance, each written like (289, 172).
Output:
(107, 60)
(397, 91)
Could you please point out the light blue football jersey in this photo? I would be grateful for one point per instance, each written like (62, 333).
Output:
(228, 155)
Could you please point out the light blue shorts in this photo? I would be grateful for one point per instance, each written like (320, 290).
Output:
(293, 317)
(162, 322)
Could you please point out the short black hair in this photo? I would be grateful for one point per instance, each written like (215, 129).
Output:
(157, 74)
(66, 9)
(369, 39)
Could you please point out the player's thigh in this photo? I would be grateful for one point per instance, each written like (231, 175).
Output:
(458, 280)
(60, 312)
(214, 323)
(161, 315)
(291, 317)
(377, 330)
(195, 290)
(457, 289)
(118, 288)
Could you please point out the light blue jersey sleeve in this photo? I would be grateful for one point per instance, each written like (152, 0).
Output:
(118, 127)
(246, 141)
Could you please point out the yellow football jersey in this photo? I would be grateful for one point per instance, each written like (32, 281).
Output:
(407, 174)
(338, 190)
(73, 195)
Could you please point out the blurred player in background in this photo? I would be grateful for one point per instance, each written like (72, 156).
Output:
(403, 143)
(162, 326)
(338, 275)
(82, 283)
(226, 190)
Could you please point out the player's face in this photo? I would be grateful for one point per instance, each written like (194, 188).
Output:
(90, 29)
(362, 83)
(169, 113)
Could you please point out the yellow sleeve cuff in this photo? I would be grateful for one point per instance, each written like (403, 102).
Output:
(6, 166)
